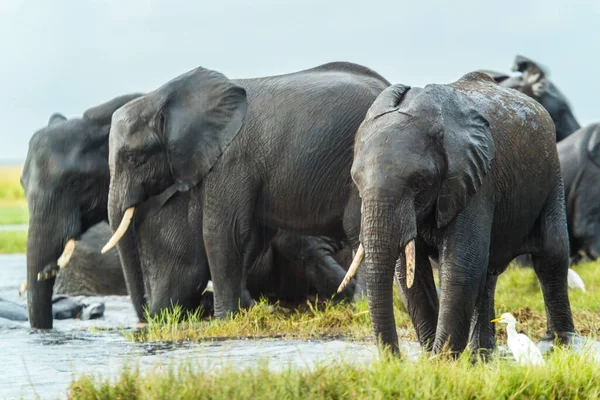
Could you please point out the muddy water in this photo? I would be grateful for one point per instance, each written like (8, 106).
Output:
(44, 363)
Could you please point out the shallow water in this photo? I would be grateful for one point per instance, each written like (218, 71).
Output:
(44, 363)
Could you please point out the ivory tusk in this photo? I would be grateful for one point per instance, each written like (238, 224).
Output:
(23, 287)
(360, 254)
(409, 252)
(64, 258)
(127, 216)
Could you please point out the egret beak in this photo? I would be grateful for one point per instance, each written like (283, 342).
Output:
(497, 320)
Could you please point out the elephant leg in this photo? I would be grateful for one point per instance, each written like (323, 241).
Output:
(483, 333)
(421, 299)
(551, 263)
(232, 241)
(464, 255)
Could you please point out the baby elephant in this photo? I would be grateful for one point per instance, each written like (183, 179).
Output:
(468, 174)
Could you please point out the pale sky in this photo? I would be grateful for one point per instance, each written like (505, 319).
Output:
(68, 55)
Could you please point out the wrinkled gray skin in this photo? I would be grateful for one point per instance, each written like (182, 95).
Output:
(63, 307)
(445, 165)
(535, 83)
(66, 180)
(90, 273)
(580, 164)
(257, 155)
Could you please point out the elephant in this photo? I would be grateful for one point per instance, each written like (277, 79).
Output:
(90, 273)
(580, 164)
(446, 171)
(255, 155)
(65, 179)
(535, 83)
(63, 307)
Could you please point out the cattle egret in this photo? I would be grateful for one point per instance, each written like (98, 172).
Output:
(574, 280)
(523, 349)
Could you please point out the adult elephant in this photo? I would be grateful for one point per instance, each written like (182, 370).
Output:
(445, 171)
(257, 154)
(535, 83)
(66, 179)
(580, 164)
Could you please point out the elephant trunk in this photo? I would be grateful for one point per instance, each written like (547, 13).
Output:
(50, 242)
(386, 229)
(128, 249)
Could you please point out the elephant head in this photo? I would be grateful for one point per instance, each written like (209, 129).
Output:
(174, 135)
(535, 83)
(66, 180)
(420, 155)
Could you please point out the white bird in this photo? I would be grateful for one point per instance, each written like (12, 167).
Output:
(523, 349)
(574, 280)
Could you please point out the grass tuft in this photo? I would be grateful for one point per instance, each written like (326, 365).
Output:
(311, 320)
(566, 375)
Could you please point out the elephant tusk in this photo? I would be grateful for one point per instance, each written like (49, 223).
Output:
(64, 258)
(409, 252)
(360, 254)
(127, 216)
(23, 287)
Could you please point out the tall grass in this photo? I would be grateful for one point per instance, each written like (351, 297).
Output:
(566, 376)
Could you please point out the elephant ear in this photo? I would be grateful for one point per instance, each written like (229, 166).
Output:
(102, 114)
(56, 118)
(388, 101)
(202, 113)
(468, 150)
(593, 146)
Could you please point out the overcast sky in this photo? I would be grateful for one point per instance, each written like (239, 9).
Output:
(69, 55)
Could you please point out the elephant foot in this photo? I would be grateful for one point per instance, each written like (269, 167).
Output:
(569, 339)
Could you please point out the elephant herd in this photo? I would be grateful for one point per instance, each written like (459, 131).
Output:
(271, 187)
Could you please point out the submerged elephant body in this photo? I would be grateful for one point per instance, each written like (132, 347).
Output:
(256, 155)
(91, 273)
(446, 172)
(63, 307)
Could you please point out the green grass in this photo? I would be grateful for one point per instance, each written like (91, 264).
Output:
(517, 292)
(566, 375)
(312, 320)
(13, 242)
